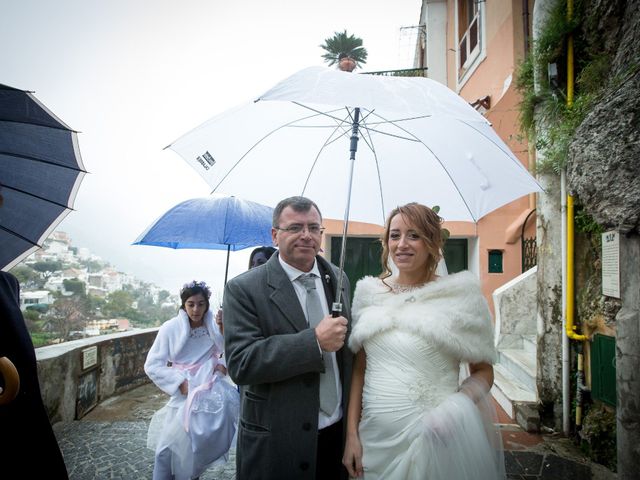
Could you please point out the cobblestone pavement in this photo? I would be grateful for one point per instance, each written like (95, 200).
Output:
(110, 443)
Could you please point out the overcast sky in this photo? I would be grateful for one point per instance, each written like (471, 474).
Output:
(133, 75)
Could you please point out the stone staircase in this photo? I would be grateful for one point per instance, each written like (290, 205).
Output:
(515, 373)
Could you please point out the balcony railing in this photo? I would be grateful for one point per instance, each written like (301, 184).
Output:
(407, 72)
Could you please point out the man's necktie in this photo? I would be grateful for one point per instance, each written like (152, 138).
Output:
(328, 392)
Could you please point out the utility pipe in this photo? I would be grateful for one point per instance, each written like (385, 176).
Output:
(569, 300)
(566, 367)
(571, 327)
(580, 387)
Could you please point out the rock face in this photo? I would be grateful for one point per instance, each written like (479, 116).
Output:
(603, 168)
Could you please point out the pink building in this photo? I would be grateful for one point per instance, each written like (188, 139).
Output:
(473, 48)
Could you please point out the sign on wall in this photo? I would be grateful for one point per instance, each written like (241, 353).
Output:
(611, 264)
(89, 357)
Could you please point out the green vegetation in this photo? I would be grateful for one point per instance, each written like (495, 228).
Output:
(585, 223)
(341, 44)
(545, 116)
(74, 285)
(598, 436)
(71, 311)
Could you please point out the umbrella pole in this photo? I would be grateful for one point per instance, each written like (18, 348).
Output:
(226, 270)
(336, 308)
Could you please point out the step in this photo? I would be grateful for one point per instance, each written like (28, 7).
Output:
(507, 389)
(521, 364)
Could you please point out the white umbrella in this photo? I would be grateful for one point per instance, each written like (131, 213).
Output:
(416, 140)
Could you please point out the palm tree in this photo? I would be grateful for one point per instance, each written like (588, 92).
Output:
(343, 46)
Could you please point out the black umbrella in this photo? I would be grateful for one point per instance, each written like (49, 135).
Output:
(40, 173)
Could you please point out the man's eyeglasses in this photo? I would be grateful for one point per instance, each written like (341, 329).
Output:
(313, 229)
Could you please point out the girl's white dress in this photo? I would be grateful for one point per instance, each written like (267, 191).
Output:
(415, 424)
(198, 428)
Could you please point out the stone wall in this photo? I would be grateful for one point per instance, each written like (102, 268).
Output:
(603, 173)
(516, 310)
(119, 367)
(603, 170)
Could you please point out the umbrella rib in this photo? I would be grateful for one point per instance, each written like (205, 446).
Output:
(369, 113)
(347, 132)
(258, 143)
(513, 160)
(464, 201)
(375, 157)
(325, 114)
(392, 134)
(30, 95)
(327, 142)
(39, 160)
(16, 234)
(64, 128)
(33, 195)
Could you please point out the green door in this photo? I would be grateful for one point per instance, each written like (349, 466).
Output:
(361, 258)
(455, 254)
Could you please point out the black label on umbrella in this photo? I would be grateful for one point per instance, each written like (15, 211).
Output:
(206, 160)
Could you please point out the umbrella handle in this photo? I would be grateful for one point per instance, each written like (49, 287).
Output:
(11, 381)
(336, 309)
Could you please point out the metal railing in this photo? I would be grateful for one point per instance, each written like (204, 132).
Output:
(406, 72)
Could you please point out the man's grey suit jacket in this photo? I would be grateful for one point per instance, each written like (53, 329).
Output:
(274, 356)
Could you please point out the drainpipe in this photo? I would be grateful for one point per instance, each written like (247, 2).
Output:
(580, 387)
(570, 327)
(569, 299)
(566, 367)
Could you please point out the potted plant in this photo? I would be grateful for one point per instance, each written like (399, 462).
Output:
(345, 50)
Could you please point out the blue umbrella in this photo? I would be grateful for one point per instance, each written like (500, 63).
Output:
(40, 173)
(212, 223)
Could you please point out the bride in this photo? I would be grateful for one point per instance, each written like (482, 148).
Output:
(414, 332)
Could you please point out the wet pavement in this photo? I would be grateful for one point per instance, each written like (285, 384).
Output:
(110, 443)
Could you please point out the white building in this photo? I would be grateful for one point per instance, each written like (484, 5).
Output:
(36, 297)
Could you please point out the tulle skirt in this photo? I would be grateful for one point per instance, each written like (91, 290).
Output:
(453, 441)
(212, 424)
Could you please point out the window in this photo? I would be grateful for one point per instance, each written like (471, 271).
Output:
(455, 254)
(495, 261)
(469, 34)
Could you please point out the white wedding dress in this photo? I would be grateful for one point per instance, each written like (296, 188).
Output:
(415, 424)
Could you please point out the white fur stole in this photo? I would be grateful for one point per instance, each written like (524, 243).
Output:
(449, 311)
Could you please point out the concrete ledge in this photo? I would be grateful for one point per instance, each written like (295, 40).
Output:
(119, 366)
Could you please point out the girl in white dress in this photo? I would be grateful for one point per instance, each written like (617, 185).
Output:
(197, 425)
(409, 417)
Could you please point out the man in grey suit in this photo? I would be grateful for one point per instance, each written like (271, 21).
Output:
(294, 377)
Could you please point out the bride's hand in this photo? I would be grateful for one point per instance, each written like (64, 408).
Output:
(184, 388)
(352, 458)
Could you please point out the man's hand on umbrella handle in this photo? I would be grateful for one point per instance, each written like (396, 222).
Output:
(331, 332)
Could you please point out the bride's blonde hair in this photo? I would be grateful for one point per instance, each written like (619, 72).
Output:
(428, 224)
